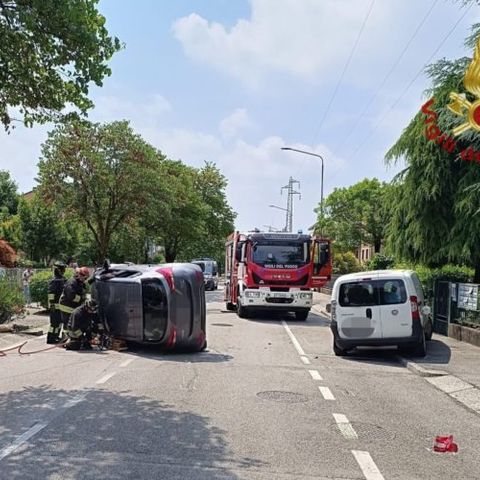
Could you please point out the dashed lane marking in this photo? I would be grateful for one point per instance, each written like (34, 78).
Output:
(4, 452)
(315, 375)
(327, 393)
(369, 469)
(105, 378)
(305, 360)
(127, 362)
(345, 426)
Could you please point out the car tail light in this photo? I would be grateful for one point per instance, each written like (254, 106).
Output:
(414, 307)
(168, 275)
(172, 339)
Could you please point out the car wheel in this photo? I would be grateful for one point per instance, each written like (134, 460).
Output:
(339, 352)
(302, 315)
(429, 330)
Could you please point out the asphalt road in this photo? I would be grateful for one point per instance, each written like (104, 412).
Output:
(268, 400)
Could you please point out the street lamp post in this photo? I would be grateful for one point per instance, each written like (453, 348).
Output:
(285, 210)
(321, 186)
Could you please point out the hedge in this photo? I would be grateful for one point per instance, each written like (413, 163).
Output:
(11, 300)
(39, 286)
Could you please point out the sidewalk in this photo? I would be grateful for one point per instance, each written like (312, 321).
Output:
(36, 319)
(450, 365)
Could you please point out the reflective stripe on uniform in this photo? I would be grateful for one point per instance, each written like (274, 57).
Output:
(75, 333)
(51, 296)
(77, 298)
(65, 309)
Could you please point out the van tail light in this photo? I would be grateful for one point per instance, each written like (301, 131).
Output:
(414, 307)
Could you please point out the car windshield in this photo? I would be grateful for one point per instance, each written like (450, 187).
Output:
(207, 267)
(281, 255)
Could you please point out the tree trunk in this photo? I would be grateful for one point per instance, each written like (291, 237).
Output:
(377, 245)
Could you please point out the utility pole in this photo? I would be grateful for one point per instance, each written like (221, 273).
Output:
(291, 192)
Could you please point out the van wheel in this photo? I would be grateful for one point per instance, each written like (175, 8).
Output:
(429, 330)
(301, 315)
(339, 352)
(420, 349)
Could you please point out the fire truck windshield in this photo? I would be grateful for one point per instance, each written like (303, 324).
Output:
(281, 254)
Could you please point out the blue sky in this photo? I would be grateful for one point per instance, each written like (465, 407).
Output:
(232, 81)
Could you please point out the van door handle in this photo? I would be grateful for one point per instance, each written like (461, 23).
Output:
(369, 313)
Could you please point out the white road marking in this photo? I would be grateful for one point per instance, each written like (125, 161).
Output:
(297, 346)
(127, 362)
(369, 469)
(105, 378)
(315, 375)
(305, 360)
(77, 399)
(327, 393)
(345, 426)
(4, 452)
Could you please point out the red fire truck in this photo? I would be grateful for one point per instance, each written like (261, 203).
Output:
(275, 271)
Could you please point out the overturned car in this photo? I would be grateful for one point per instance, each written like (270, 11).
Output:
(162, 305)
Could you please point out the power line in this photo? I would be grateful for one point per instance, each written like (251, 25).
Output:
(352, 51)
(387, 76)
(397, 101)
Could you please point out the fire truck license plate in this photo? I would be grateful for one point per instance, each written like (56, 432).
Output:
(280, 295)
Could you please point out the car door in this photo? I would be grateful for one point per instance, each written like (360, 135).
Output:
(395, 309)
(357, 310)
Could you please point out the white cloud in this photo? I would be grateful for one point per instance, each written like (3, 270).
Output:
(306, 38)
(234, 123)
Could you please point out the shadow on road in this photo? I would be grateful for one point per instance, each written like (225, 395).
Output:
(154, 353)
(313, 320)
(111, 435)
(438, 352)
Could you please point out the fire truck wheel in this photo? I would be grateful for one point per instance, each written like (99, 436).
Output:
(301, 315)
(242, 311)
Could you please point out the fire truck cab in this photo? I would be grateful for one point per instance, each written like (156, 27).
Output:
(275, 271)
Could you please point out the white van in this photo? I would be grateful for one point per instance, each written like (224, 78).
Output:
(382, 307)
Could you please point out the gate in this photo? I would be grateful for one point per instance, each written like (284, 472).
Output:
(441, 307)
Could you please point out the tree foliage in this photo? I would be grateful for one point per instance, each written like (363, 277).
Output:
(435, 219)
(44, 234)
(101, 175)
(356, 214)
(50, 52)
(8, 194)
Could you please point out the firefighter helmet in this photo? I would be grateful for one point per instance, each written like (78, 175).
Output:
(82, 273)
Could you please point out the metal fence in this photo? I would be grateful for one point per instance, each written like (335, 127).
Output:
(14, 275)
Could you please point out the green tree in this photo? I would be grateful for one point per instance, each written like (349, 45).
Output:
(8, 194)
(51, 51)
(44, 235)
(104, 176)
(176, 217)
(435, 217)
(218, 216)
(356, 214)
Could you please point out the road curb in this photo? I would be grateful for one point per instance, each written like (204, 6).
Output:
(417, 369)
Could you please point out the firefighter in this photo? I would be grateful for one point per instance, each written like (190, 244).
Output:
(55, 289)
(83, 325)
(73, 295)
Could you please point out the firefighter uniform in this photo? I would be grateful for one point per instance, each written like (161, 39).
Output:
(73, 296)
(83, 325)
(55, 289)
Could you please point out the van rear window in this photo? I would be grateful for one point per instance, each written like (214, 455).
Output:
(370, 293)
